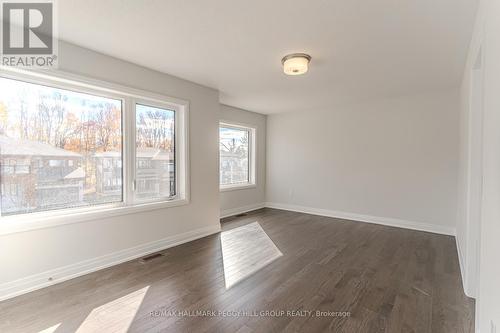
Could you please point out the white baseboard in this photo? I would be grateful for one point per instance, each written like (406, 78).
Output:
(388, 221)
(58, 275)
(461, 263)
(240, 210)
(468, 289)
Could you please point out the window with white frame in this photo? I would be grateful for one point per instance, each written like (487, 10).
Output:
(155, 153)
(236, 156)
(65, 146)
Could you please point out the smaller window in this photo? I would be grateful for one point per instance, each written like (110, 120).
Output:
(55, 163)
(155, 150)
(236, 156)
(22, 169)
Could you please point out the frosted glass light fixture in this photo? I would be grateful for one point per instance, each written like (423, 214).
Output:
(295, 63)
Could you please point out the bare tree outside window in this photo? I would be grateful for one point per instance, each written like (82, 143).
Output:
(234, 155)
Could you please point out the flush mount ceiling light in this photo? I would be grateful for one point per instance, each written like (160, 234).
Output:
(296, 63)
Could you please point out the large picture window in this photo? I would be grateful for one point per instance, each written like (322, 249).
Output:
(68, 146)
(236, 145)
(56, 147)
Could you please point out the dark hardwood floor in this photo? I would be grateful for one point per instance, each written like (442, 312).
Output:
(264, 273)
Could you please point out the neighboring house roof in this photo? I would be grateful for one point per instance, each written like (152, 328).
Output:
(143, 152)
(75, 174)
(19, 147)
(154, 154)
(227, 154)
(163, 156)
(108, 154)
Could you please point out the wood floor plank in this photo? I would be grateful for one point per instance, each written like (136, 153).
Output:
(332, 275)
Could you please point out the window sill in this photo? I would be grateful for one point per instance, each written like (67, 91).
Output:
(237, 187)
(33, 221)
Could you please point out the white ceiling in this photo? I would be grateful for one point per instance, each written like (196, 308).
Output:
(361, 49)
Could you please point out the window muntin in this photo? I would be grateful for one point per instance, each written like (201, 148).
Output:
(235, 160)
(155, 169)
(51, 140)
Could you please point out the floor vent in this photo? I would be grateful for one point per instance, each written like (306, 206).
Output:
(150, 257)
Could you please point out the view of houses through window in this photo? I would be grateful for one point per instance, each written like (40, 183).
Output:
(53, 144)
(62, 149)
(234, 149)
(155, 141)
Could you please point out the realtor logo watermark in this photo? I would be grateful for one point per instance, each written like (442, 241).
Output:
(28, 35)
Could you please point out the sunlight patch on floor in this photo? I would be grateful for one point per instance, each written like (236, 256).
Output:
(245, 250)
(51, 329)
(115, 316)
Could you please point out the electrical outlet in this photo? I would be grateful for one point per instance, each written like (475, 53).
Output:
(493, 327)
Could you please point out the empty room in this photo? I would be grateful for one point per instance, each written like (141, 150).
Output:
(249, 166)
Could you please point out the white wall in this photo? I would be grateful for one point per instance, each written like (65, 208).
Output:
(487, 38)
(39, 254)
(391, 161)
(236, 201)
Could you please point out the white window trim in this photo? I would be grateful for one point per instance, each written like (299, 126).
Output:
(252, 155)
(129, 97)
